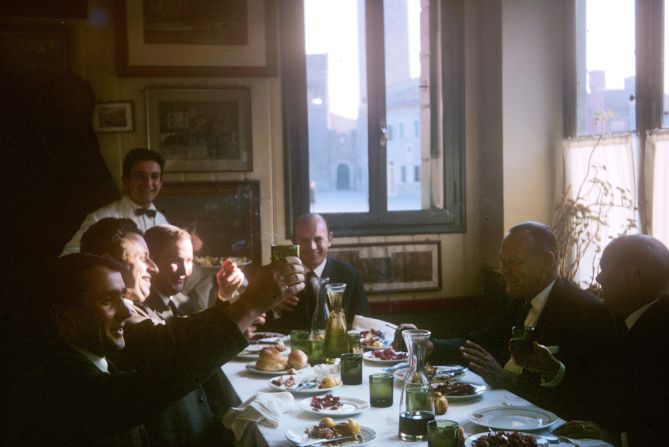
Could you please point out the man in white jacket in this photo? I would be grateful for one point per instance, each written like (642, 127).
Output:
(142, 181)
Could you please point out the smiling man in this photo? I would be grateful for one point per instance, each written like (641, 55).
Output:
(311, 233)
(142, 181)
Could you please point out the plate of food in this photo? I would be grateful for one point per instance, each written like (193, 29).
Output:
(373, 339)
(509, 417)
(343, 433)
(333, 406)
(437, 374)
(385, 356)
(217, 261)
(455, 390)
(272, 361)
(505, 438)
(252, 351)
(304, 384)
(267, 338)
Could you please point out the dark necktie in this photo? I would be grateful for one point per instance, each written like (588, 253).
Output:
(309, 295)
(145, 212)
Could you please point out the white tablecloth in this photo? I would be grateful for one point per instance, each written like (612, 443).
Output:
(383, 420)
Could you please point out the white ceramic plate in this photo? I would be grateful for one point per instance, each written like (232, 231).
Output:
(469, 442)
(453, 372)
(252, 367)
(369, 356)
(508, 417)
(297, 435)
(252, 351)
(349, 406)
(479, 389)
(268, 338)
(300, 379)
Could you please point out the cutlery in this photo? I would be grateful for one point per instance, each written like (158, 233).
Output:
(323, 441)
(396, 367)
(306, 385)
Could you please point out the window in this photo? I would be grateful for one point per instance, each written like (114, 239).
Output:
(370, 63)
(416, 174)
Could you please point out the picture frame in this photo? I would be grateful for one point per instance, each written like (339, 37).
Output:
(200, 130)
(200, 38)
(225, 216)
(394, 267)
(113, 117)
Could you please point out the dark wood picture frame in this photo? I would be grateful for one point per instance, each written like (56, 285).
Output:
(114, 116)
(200, 129)
(394, 267)
(225, 215)
(258, 58)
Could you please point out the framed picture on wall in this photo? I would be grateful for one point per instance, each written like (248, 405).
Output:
(113, 117)
(203, 38)
(224, 217)
(394, 266)
(200, 130)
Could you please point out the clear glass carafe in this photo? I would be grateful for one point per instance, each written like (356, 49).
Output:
(319, 321)
(416, 401)
(336, 336)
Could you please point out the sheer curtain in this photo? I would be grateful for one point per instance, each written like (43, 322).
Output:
(657, 185)
(604, 178)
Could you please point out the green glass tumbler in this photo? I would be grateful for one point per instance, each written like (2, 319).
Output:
(442, 433)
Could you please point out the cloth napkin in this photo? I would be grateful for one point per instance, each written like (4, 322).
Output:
(263, 408)
(366, 323)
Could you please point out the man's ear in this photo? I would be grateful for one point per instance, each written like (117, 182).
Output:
(63, 320)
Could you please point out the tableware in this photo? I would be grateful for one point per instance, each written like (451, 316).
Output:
(252, 351)
(416, 407)
(509, 417)
(354, 342)
(215, 262)
(297, 435)
(336, 337)
(265, 338)
(299, 340)
(304, 384)
(369, 356)
(316, 345)
(381, 390)
(479, 389)
(392, 369)
(349, 406)
(279, 252)
(443, 374)
(351, 368)
(252, 367)
(442, 433)
(469, 442)
(522, 340)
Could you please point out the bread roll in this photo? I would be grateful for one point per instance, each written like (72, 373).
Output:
(297, 359)
(270, 359)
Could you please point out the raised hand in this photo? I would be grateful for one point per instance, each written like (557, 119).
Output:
(229, 279)
(485, 365)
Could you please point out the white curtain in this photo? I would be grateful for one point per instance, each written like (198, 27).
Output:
(657, 184)
(611, 162)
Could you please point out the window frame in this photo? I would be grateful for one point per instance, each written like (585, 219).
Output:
(446, 130)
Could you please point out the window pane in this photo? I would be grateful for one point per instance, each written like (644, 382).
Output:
(606, 71)
(336, 106)
(407, 103)
(665, 119)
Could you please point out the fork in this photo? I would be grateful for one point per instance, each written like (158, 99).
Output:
(324, 441)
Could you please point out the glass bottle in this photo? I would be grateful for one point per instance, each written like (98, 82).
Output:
(319, 321)
(336, 337)
(416, 402)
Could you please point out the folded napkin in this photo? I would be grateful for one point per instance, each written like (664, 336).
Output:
(263, 408)
(366, 323)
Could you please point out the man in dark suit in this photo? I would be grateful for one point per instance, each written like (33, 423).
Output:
(311, 233)
(635, 286)
(71, 395)
(572, 327)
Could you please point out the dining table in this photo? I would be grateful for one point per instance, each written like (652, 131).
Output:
(385, 421)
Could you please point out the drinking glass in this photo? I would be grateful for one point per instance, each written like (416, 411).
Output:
(282, 251)
(336, 338)
(522, 340)
(351, 369)
(442, 433)
(354, 342)
(381, 390)
(316, 344)
(299, 340)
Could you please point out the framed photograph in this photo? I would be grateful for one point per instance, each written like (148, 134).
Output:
(200, 130)
(202, 38)
(394, 266)
(224, 217)
(113, 117)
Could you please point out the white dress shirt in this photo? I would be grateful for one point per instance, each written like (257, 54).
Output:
(632, 318)
(99, 362)
(124, 208)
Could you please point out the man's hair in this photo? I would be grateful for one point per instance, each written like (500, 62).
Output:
(542, 235)
(105, 237)
(142, 154)
(160, 236)
(310, 216)
(648, 256)
(68, 277)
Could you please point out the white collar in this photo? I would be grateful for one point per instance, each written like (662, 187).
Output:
(128, 203)
(318, 270)
(634, 316)
(539, 301)
(99, 362)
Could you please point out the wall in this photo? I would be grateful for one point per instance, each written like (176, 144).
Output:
(532, 76)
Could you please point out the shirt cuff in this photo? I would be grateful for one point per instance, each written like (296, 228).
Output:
(557, 379)
(223, 298)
